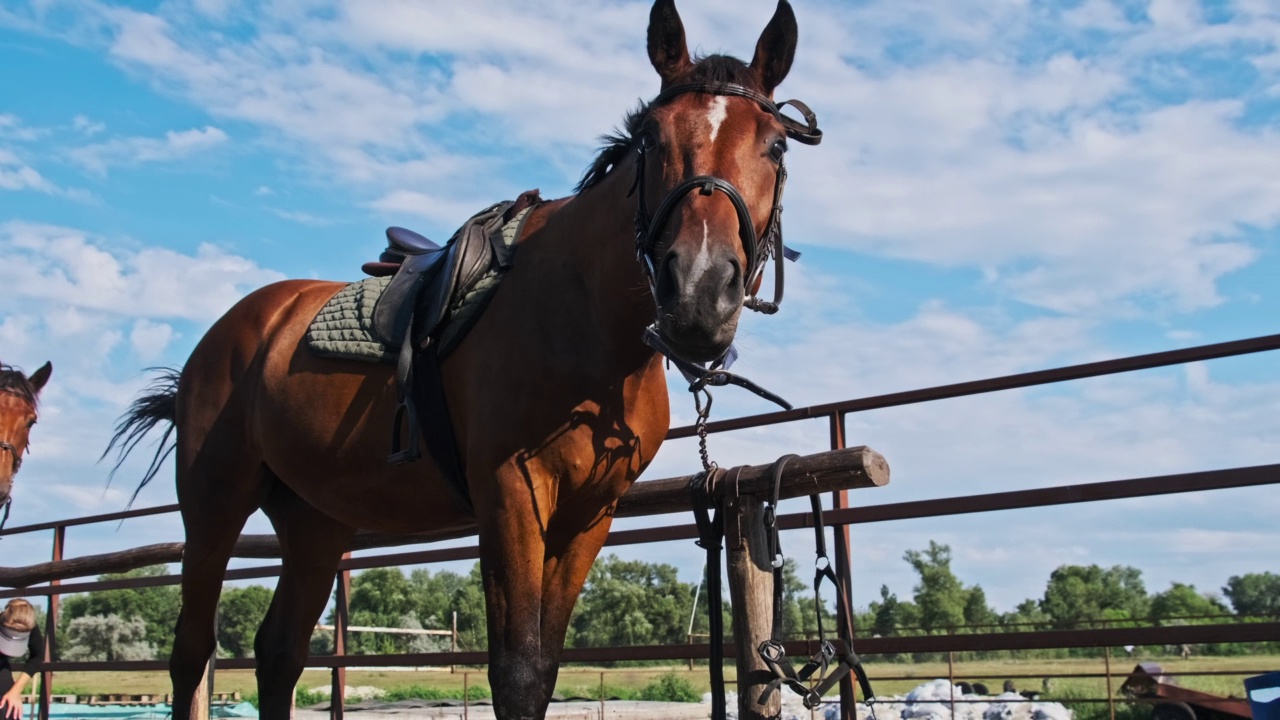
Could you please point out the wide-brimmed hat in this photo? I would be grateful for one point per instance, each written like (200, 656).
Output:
(13, 643)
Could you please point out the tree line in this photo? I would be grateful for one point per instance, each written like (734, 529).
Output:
(633, 602)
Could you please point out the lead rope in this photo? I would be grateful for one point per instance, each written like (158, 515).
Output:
(710, 538)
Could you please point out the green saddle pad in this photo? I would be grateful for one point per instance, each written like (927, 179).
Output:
(344, 326)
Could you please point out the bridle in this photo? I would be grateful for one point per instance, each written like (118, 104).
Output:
(17, 465)
(17, 458)
(758, 249)
(16, 454)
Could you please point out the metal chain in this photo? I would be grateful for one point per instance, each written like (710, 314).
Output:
(700, 424)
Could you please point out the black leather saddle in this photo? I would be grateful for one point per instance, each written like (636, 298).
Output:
(416, 301)
(427, 282)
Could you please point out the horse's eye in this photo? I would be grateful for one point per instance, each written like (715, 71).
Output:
(648, 140)
(31, 424)
(777, 150)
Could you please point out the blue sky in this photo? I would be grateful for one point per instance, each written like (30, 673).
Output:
(1004, 186)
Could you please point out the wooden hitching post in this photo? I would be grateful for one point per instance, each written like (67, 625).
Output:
(751, 595)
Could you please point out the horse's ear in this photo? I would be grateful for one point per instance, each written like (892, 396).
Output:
(41, 376)
(776, 48)
(668, 50)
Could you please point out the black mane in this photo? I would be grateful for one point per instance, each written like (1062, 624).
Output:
(709, 69)
(12, 381)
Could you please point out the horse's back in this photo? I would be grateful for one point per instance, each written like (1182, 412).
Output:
(321, 425)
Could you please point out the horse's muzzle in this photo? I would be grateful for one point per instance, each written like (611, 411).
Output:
(699, 298)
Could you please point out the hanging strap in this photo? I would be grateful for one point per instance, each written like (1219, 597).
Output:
(707, 515)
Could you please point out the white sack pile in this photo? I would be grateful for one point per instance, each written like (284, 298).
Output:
(930, 701)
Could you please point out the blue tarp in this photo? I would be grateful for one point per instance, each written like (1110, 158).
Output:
(70, 711)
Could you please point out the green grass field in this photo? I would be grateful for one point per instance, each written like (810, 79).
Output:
(887, 678)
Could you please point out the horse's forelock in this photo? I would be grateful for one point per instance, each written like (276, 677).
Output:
(708, 69)
(12, 381)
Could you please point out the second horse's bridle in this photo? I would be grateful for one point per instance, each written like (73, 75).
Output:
(17, 457)
(758, 249)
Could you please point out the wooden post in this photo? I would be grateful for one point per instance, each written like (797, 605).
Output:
(842, 563)
(341, 619)
(751, 594)
(453, 640)
(204, 694)
(51, 627)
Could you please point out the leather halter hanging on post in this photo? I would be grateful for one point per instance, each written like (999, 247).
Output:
(772, 652)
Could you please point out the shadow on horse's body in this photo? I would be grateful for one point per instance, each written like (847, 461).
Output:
(557, 403)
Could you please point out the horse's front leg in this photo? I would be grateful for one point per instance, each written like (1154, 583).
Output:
(572, 547)
(512, 552)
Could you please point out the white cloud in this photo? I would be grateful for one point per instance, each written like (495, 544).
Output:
(302, 218)
(175, 145)
(1174, 14)
(149, 339)
(442, 210)
(62, 265)
(17, 175)
(962, 157)
(87, 127)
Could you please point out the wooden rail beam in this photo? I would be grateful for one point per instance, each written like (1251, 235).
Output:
(851, 468)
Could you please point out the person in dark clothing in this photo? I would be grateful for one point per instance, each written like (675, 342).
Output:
(19, 636)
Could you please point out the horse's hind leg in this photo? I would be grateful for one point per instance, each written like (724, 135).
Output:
(311, 546)
(218, 492)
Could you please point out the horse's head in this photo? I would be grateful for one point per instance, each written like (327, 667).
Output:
(19, 396)
(709, 179)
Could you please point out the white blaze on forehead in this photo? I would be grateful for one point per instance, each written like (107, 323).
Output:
(717, 113)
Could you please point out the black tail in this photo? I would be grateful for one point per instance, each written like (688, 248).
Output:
(157, 404)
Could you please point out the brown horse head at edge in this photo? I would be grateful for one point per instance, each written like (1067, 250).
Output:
(556, 401)
(19, 405)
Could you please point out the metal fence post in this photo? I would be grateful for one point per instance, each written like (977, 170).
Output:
(1111, 698)
(844, 615)
(51, 627)
(341, 619)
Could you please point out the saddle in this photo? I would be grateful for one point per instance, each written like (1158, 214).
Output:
(434, 296)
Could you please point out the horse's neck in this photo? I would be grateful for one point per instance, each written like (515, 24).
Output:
(597, 272)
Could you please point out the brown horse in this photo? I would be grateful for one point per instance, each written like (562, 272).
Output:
(557, 403)
(19, 401)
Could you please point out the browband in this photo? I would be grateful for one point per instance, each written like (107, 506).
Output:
(806, 133)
